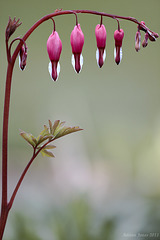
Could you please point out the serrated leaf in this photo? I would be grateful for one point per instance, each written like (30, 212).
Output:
(46, 153)
(29, 138)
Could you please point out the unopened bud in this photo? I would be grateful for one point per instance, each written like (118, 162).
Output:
(22, 58)
(137, 41)
(145, 41)
(11, 27)
(140, 27)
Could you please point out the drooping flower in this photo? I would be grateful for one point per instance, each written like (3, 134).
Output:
(101, 36)
(77, 41)
(118, 36)
(54, 48)
(145, 41)
(22, 58)
(137, 40)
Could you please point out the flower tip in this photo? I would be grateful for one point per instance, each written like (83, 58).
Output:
(77, 62)
(100, 56)
(137, 47)
(137, 41)
(22, 58)
(144, 43)
(54, 70)
(118, 55)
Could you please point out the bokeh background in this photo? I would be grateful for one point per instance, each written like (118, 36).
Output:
(105, 181)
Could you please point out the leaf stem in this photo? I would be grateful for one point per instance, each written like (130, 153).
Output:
(35, 154)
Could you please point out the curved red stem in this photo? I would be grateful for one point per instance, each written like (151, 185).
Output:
(5, 206)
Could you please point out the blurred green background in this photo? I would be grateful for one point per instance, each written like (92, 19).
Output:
(104, 182)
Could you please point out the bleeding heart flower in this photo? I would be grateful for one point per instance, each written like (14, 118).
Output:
(54, 48)
(118, 36)
(101, 36)
(77, 41)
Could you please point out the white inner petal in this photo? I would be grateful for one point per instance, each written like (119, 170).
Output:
(58, 70)
(50, 70)
(81, 61)
(73, 62)
(115, 53)
(120, 53)
(97, 57)
(104, 55)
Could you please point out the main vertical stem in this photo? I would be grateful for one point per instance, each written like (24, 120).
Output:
(4, 203)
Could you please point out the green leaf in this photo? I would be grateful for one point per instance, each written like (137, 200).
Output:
(55, 125)
(43, 138)
(44, 135)
(50, 146)
(67, 130)
(59, 128)
(50, 133)
(46, 153)
(29, 138)
(34, 139)
(50, 126)
(45, 131)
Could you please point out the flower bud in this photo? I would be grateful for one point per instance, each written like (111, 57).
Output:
(11, 27)
(137, 41)
(140, 27)
(101, 36)
(145, 41)
(152, 36)
(54, 48)
(118, 36)
(22, 58)
(77, 41)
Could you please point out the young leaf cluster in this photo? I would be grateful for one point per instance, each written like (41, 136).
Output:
(48, 135)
